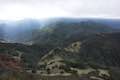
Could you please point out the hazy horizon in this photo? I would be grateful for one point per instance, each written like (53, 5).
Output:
(42, 9)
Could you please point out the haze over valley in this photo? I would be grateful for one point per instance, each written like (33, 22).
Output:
(59, 40)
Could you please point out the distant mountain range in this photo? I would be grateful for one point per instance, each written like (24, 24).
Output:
(26, 30)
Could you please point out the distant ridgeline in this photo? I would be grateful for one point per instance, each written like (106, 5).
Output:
(33, 31)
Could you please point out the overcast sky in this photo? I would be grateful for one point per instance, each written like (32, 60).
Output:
(19, 9)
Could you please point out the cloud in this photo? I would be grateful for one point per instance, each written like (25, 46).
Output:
(17, 9)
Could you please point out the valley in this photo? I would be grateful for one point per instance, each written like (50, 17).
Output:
(61, 50)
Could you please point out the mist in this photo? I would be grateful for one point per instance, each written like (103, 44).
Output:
(41, 9)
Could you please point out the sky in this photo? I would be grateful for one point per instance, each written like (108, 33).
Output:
(41, 9)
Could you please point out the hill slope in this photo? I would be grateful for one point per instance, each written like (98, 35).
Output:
(99, 50)
(56, 34)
